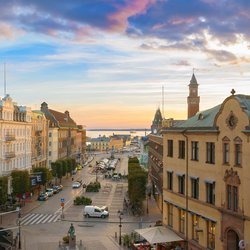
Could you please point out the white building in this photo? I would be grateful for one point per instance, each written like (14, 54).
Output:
(53, 145)
(15, 136)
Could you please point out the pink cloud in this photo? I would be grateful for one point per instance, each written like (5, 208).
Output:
(8, 31)
(120, 18)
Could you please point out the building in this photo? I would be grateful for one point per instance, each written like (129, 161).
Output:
(206, 176)
(15, 141)
(99, 143)
(62, 134)
(39, 144)
(81, 144)
(115, 143)
(193, 100)
(155, 159)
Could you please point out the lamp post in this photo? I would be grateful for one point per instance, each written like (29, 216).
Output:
(18, 209)
(120, 214)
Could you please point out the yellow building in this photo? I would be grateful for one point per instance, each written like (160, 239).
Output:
(39, 136)
(99, 144)
(206, 176)
(116, 143)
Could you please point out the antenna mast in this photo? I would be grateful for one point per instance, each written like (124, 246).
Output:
(163, 101)
(4, 76)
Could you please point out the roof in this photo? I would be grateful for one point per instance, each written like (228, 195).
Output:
(105, 139)
(193, 80)
(63, 119)
(202, 119)
(244, 101)
(158, 117)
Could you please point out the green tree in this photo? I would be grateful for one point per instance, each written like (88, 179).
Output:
(59, 170)
(69, 166)
(3, 189)
(20, 181)
(46, 176)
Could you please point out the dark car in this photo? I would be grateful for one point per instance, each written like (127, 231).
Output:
(43, 197)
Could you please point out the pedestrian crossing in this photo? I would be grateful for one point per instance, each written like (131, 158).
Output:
(32, 219)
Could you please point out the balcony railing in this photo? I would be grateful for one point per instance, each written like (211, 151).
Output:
(10, 137)
(9, 155)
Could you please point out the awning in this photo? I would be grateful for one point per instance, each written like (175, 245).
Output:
(158, 234)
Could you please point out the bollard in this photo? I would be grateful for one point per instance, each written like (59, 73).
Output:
(80, 242)
(115, 235)
(59, 243)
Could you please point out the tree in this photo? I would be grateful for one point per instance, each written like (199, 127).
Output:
(20, 181)
(3, 189)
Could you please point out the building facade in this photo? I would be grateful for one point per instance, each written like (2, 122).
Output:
(15, 141)
(116, 143)
(62, 134)
(99, 144)
(155, 159)
(39, 139)
(206, 176)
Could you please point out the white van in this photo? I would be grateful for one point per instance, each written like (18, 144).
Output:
(94, 211)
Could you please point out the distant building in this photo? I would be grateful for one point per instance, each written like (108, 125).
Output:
(62, 134)
(99, 143)
(39, 136)
(157, 122)
(116, 143)
(15, 137)
(206, 176)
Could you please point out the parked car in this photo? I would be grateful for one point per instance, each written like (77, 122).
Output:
(116, 177)
(50, 191)
(76, 184)
(43, 196)
(94, 211)
(55, 189)
(60, 187)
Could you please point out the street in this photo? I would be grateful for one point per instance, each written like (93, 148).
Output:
(44, 226)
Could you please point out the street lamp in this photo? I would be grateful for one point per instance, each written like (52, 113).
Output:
(18, 209)
(120, 214)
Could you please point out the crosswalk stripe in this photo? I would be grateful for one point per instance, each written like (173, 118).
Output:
(27, 218)
(42, 220)
(46, 220)
(32, 219)
(36, 219)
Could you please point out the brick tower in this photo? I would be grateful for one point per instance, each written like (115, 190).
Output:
(193, 99)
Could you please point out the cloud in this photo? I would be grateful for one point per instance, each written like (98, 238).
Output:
(8, 31)
(222, 55)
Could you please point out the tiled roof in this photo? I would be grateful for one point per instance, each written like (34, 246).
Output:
(63, 119)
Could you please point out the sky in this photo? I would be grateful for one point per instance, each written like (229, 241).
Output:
(105, 61)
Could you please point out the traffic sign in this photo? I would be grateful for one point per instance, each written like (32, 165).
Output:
(62, 199)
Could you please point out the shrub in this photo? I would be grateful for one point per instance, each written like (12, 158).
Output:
(82, 200)
(93, 187)
(66, 239)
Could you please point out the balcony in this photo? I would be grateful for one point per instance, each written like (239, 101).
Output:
(9, 155)
(9, 138)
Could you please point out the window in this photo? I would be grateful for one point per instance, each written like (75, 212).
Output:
(49, 153)
(232, 197)
(170, 180)
(181, 221)
(210, 235)
(181, 179)
(170, 215)
(237, 154)
(170, 148)
(50, 134)
(195, 187)
(50, 143)
(195, 227)
(195, 150)
(182, 149)
(210, 190)
(210, 152)
(225, 153)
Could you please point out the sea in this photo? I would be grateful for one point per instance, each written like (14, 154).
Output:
(107, 133)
